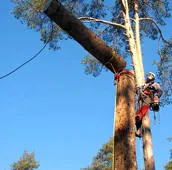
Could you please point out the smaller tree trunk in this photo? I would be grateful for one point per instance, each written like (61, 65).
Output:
(147, 144)
(124, 136)
(85, 37)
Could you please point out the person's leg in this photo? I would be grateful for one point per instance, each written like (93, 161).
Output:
(139, 115)
(141, 112)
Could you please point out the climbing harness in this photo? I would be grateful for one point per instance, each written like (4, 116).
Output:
(144, 92)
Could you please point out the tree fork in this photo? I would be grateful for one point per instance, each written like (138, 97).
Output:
(84, 36)
(124, 129)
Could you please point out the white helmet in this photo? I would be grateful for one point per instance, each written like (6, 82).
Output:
(150, 76)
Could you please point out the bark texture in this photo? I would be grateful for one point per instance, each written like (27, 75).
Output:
(124, 136)
(85, 37)
(147, 144)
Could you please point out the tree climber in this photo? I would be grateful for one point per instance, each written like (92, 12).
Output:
(148, 97)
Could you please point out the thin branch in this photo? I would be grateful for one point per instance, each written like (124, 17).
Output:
(150, 19)
(102, 21)
(159, 49)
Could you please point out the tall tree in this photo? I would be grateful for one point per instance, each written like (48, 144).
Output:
(26, 162)
(130, 22)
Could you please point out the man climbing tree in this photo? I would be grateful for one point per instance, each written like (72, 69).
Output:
(130, 22)
(148, 97)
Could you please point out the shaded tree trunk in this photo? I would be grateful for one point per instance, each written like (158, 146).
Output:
(124, 136)
(84, 36)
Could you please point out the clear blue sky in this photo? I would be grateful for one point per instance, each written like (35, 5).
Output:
(51, 107)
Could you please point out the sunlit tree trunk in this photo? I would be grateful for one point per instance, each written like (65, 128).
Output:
(132, 43)
(146, 130)
(124, 133)
(137, 39)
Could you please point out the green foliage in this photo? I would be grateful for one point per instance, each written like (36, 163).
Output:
(30, 13)
(103, 159)
(165, 72)
(168, 166)
(26, 162)
(93, 66)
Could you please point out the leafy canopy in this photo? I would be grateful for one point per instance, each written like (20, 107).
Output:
(30, 13)
(26, 162)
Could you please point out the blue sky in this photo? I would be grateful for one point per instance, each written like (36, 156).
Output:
(51, 107)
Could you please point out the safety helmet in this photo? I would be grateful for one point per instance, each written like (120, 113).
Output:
(150, 76)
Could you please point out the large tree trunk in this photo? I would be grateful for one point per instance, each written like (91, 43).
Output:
(124, 132)
(90, 41)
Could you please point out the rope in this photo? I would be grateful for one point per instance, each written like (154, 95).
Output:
(6, 75)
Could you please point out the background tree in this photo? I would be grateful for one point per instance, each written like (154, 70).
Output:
(168, 166)
(26, 162)
(103, 159)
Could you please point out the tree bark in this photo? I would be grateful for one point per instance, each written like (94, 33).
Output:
(124, 132)
(147, 144)
(85, 37)
(132, 44)
(137, 34)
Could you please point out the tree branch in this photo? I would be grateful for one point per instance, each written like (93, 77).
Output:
(123, 5)
(163, 39)
(102, 21)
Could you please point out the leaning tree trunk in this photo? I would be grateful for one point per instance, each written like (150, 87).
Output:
(124, 132)
(90, 41)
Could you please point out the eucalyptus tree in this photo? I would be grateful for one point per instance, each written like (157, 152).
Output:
(124, 26)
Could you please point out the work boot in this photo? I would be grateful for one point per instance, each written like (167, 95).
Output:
(138, 126)
(138, 133)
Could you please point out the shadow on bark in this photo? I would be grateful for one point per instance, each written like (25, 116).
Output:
(124, 138)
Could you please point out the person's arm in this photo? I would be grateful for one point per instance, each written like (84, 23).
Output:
(158, 90)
